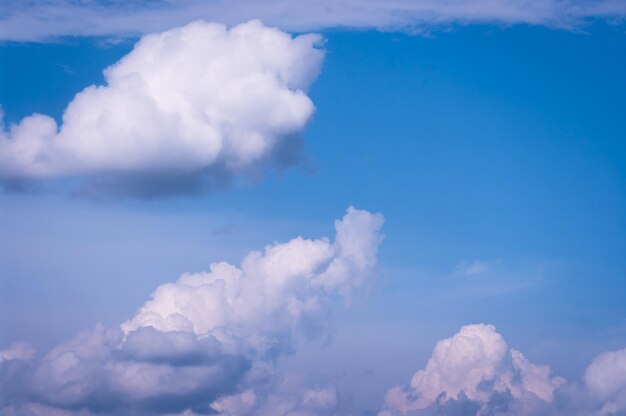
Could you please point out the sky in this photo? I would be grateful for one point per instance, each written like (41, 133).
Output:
(364, 209)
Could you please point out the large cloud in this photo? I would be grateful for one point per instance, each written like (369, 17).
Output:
(206, 343)
(475, 372)
(42, 19)
(188, 107)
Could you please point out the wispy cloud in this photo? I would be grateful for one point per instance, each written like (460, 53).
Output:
(44, 19)
(477, 267)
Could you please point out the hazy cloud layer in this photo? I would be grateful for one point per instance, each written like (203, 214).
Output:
(475, 372)
(42, 19)
(188, 108)
(206, 343)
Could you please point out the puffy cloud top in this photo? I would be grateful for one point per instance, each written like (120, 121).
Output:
(200, 99)
(474, 366)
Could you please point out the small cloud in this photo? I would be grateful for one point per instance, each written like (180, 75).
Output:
(224, 231)
(477, 267)
(68, 69)
(475, 370)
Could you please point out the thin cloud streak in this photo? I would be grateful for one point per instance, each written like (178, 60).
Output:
(42, 20)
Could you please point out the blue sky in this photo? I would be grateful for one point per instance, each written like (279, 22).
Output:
(496, 154)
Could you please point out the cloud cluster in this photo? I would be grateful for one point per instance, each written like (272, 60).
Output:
(475, 372)
(206, 343)
(150, 371)
(43, 19)
(190, 107)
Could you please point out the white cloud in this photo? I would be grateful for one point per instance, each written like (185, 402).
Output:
(200, 100)
(259, 306)
(209, 341)
(606, 380)
(477, 368)
(42, 19)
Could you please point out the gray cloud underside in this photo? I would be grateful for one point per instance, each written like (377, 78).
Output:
(476, 373)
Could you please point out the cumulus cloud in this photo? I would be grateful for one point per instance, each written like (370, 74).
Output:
(475, 372)
(42, 19)
(258, 306)
(606, 380)
(207, 342)
(190, 107)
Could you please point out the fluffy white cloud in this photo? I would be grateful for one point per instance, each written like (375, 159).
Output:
(606, 380)
(258, 306)
(209, 341)
(197, 100)
(41, 19)
(477, 367)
